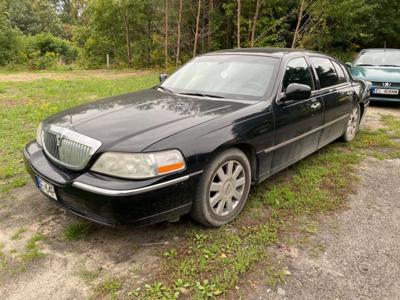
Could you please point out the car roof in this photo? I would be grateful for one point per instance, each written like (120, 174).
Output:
(277, 52)
(379, 49)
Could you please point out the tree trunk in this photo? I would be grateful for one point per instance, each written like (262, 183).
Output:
(196, 35)
(127, 36)
(210, 12)
(299, 19)
(178, 40)
(253, 29)
(166, 35)
(238, 23)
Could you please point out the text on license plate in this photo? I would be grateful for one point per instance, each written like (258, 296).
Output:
(46, 188)
(386, 91)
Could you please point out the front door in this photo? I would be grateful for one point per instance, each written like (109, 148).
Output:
(297, 124)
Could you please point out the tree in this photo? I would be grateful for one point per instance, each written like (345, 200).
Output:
(196, 35)
(166, 35)
(254, 25)
(34, 17)
(178, 41)
(238, 22)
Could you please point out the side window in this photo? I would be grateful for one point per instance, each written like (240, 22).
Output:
(339, 71)
(297, 71)
(326, 72)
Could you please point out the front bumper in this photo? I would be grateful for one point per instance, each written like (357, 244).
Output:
(113, 201)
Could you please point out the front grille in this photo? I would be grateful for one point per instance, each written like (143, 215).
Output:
(68, 148)
(381, 84)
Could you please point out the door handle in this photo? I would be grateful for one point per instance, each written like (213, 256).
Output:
(316, 105)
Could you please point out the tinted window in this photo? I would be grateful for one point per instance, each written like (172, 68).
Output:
(340, 73)
(326, 72)
(297, 71)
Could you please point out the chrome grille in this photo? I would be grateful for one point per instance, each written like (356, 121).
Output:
(68, 148)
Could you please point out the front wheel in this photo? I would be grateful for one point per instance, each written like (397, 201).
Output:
(223, 189)
(353, 124)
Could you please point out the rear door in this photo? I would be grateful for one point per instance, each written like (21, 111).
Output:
(337, 95)
(297, 123)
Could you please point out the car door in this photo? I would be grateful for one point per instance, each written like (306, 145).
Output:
(337, 96)
(297, 123)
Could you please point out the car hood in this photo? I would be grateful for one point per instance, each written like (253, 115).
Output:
(143, 117)
(379, 74)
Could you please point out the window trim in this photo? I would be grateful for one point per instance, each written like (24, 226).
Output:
(344, 75)
(332, 87)
(313, 87)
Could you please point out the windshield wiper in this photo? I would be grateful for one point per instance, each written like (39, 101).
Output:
(389, 65)
(165, 89)
(364, 65)
(201, 95)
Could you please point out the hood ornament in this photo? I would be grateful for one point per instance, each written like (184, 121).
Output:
(387, 84)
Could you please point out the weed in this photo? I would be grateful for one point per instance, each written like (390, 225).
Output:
(18, 233)
(77, 231)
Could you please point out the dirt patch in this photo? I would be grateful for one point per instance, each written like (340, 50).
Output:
(125, 252)
(13, 102)
(82, 74)
(374, 113)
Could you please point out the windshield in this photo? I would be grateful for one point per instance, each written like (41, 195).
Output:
(225, 76)
(390, 58)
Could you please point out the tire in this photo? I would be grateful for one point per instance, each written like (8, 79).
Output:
(352, 125)
(223, 189)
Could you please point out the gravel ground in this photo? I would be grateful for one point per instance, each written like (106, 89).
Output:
(360, 257)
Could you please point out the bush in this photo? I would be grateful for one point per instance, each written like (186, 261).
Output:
(45, 50)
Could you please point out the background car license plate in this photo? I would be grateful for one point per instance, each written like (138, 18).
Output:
(386, 91)
(46, 187)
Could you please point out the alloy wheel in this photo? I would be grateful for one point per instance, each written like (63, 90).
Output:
(227, 188)
(352, 125)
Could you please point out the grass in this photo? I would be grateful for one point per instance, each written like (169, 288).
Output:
(18, 234)
(208, 263)
(77, 231)
(32, 251)
(213, 262)
(24, 104)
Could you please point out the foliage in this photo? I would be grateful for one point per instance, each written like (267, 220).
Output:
(132, 32)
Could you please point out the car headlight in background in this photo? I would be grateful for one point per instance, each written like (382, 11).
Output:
(139, 165)
(39, 134)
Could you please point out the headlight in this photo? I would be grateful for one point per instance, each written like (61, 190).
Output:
(139, 165)
(39, 134)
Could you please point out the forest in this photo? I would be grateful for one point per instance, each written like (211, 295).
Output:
(43, 34)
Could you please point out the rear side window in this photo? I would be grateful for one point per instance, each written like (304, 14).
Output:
(326, 72)
(297, 71)
(339, 71)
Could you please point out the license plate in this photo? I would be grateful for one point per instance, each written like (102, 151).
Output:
(386, 91)
(46, 188)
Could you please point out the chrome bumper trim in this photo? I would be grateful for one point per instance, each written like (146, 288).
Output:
(108, 192)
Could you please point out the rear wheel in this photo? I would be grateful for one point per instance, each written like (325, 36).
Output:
(223, 189)
(353, 124)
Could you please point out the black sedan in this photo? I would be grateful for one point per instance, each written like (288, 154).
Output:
(196, 142)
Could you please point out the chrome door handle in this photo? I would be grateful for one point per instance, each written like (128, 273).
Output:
(316, 105)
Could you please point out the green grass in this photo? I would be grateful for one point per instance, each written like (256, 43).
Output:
(77, 231)
(18, 233)
(32, 251)
(211, 262)
(24, 104)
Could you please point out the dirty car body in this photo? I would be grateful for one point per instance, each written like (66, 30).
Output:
(74, 159)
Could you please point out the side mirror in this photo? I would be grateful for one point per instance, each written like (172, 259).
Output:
(349, 65)
(296, 91)
(163, 77)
